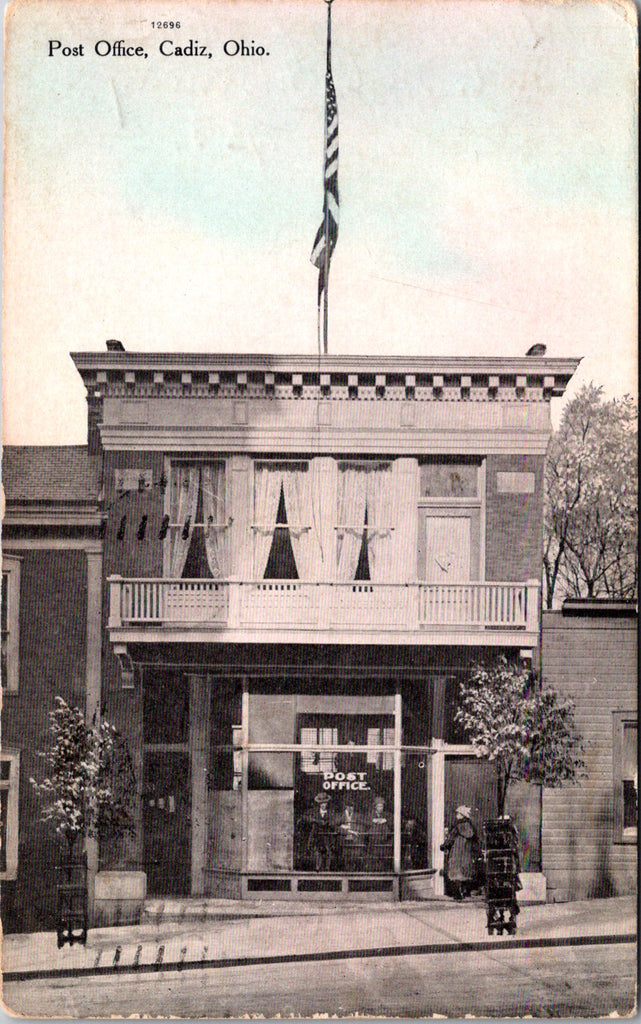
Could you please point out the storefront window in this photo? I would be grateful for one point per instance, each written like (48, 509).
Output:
(343, 801)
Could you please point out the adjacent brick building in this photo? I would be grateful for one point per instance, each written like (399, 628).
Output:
(51, 645)
(589, 840)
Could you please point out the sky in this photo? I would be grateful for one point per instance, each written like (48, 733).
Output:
(487, 181)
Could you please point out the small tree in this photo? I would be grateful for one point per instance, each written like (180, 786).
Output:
(591, 500)
(89, 784)
(528, 732)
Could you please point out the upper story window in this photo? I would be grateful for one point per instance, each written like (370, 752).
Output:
(366, 547)
(285, 544)
(10, 614)
(198, 535)
(449, 478)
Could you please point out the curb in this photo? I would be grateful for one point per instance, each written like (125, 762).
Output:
(348, 954)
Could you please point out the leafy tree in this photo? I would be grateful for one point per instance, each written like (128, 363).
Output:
(529, 732)
(590, 531)
(89, 784)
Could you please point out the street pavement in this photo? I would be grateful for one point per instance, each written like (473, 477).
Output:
(225, 959)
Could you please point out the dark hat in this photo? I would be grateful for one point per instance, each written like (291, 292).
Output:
(322, 798)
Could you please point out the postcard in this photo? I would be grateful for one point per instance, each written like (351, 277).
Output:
(319, 483)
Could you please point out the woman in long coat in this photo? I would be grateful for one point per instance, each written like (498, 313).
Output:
(462, 851)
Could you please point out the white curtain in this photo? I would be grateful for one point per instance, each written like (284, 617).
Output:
(390, 494)
(324, 482)
(184, 502)
(352, 498)
(300, 489)
(404, 510)
(215, 526)
(268, 482)
(381, 523)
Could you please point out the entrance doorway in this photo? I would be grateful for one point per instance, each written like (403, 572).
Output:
(166, 822)
(166, 799)
(471, 781)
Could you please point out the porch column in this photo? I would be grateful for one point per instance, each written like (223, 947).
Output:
(397, 782)
(240, 501)
(437, 800)
(244, 794)
(199, 712)
(93, 678)
(437, 781)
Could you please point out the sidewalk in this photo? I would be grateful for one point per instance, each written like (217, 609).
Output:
(269, 931)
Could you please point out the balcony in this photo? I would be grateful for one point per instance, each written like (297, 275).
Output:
(291, 611)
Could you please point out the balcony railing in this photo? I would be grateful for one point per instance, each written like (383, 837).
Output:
(327, 607)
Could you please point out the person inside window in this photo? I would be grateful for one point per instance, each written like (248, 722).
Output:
(351, 836)
(413, 844)
(379, 856)
(318, 829)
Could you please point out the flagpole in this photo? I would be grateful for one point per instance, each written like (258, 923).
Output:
(326, 254)
(325, 239)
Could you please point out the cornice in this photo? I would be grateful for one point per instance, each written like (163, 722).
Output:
(327, 363)
(387, 378)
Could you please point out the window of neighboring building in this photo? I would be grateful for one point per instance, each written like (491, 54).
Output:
(9, 784)
(10, 615)
(625, 777)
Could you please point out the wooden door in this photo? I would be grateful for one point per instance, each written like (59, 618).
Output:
(166, 822)
(447, 549)
(471, 781)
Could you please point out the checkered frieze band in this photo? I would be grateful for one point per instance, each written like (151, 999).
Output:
(328, 385)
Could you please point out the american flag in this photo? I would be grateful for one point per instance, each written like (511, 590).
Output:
(328, 231)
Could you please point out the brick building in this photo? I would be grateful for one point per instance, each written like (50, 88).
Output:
(589, 840)
(51, 645)
(299, 560)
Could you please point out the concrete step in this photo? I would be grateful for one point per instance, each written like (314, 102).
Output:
(179, 910)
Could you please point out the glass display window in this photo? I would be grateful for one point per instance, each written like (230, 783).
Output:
(343, 800)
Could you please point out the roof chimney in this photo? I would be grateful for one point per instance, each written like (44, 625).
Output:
(114, 346)
(534, 350)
